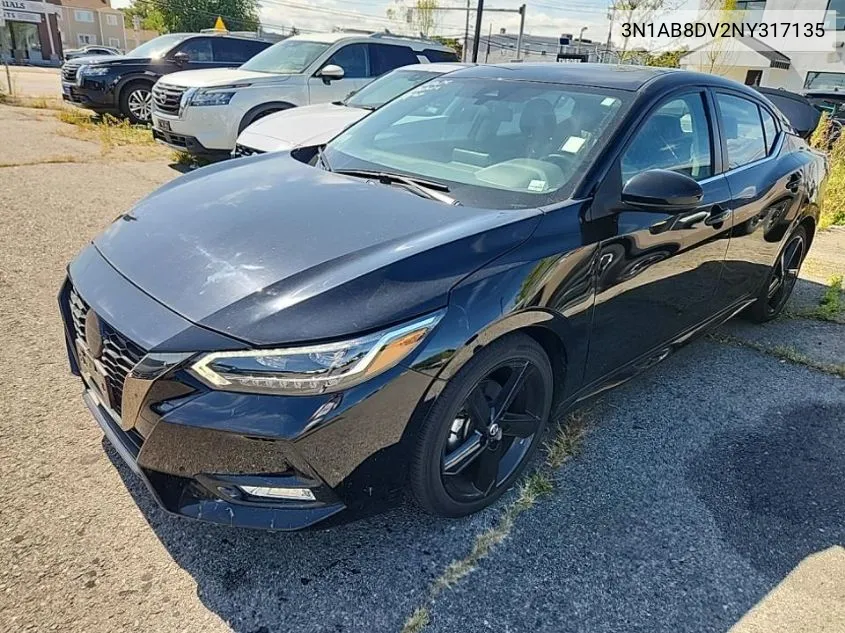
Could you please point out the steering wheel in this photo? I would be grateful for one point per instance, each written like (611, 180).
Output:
(566, 162)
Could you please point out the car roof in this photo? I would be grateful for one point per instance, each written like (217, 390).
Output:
(615, 76)
(436, 67)
(331, 38)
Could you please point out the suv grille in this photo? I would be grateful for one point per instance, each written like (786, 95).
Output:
(69, 72)
(120, 354)
(167, 98)
(242, 151)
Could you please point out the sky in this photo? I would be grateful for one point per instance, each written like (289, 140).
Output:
(542, 17)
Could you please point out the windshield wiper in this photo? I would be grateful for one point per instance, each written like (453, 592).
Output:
(423, 188)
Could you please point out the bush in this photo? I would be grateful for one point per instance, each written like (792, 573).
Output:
(833, 206)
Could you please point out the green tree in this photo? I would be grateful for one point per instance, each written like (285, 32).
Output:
(421, 15)
(666, 59)
(151, 18)
(452, 43)
(189, 16)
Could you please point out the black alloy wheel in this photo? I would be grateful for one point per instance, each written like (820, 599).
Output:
(782, 278)
(484, 428)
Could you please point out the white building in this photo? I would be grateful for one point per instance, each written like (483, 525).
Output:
(752, 62)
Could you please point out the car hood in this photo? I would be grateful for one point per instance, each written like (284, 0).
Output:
(209, 77)
(297, 127)
(270, 250)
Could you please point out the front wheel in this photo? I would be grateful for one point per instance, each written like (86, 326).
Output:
(484, 428)
(781, 279)
(136, 102)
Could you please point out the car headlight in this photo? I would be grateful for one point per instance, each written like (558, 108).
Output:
(316, 369)
(220, 95)
(93, 71)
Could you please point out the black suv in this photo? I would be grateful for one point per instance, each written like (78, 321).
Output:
(123, 84)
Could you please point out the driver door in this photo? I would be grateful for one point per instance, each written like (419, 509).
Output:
(354, 59)
(658, 270)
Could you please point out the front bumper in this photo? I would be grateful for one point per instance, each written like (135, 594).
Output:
(193, 447)
(90, 95)
(189, 144)
(212, 129)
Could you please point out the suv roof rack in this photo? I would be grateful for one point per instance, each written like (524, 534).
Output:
(395, 36)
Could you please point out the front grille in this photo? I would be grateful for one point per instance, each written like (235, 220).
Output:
(69, 72)
(166, 98)
(120, 354)
(242, 151)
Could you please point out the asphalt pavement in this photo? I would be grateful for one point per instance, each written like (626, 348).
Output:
(707, 496)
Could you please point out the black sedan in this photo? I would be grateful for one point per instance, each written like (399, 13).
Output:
(294, 338)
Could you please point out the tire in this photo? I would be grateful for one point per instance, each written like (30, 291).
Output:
(487, 374)
(132, 97)
(781, 279)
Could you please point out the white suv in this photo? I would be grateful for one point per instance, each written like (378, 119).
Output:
(203, 111)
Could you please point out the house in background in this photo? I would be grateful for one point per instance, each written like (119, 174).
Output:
(92, 22)
(754, 63)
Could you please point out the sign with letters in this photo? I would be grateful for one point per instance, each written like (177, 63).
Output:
(21, 16)
(28, 6)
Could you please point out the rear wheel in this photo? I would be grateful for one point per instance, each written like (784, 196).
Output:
(136, 102)
(484, 428)
(781, 280)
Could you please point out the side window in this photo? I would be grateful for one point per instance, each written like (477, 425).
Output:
(742, 129)
(770, 128)
(232, 50)
(197, 49)
(676, 137)
(384, 58)
(353, 59)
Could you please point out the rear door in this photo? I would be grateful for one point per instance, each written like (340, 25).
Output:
(658, 271)
(387, 57)
(766, 182)
(231, 52)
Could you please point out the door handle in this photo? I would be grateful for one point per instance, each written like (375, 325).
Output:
(794, 182)
(717, 215)
(688, 221)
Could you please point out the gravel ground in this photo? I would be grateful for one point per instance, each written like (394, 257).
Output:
(707, 486)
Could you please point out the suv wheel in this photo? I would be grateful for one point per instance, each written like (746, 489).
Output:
(136, 102)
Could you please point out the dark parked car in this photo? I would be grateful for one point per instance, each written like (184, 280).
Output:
(292, 338)
(90, 51)
(122, 84)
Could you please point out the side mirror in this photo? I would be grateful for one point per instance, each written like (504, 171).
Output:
(330, 72)
(662, 190)
(181, 58)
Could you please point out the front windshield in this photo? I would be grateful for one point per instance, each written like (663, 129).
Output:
(377, 93)
(288, 57)
(495, 143)
(156, 47)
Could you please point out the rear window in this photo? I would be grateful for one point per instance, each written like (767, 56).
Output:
(433, 55)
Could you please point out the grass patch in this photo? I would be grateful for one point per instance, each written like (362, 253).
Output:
(37, 103)
(567, 441)
(52, 160)
(830, 306)
(189, 160)
(833, 205)
(113, 134)
(565, 445)
(419, 619)
(783, 353)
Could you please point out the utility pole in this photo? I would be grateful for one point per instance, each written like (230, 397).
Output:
(489, 37)
(521, 30)
(611, 17)
(479, 12)
(466, 35)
